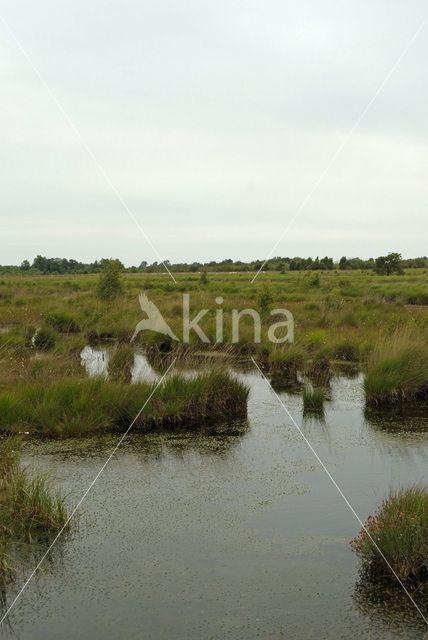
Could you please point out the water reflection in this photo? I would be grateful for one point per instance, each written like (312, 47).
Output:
(95, 361)
(234, 520)
(395, 420)
(386, 602)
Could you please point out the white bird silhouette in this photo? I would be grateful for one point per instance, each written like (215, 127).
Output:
(154, 321)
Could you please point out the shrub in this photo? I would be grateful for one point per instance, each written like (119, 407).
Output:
(400, 530)
(311, 280)
(44, 339)
(109, 285)
(265, 300)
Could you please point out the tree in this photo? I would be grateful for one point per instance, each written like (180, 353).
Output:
(109, 285)
(25, 265)
(389, 264)
(265, 300)
(344, 263)
(204, 276)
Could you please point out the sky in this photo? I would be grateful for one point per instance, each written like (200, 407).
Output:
(204, 127)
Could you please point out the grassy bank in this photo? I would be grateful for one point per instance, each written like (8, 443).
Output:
(397, 370)
(400, 529)
(29, 510)
(77, 406)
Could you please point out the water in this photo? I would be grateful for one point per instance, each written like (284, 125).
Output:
(236, 533)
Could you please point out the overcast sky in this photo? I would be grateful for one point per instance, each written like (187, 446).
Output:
(214, 120)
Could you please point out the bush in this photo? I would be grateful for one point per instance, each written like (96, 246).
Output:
(109, 285)
(310, 280)
(44, 339)
(400, 529)
(265, 300)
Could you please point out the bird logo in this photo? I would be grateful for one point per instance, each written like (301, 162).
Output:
(154, 320)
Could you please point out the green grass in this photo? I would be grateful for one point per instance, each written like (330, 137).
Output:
(287, 360)
(29, 511)
(62, 322)
(313, 399)
(397, 370)
(45, 339)
(74, 406)
(400, 529)
(120, 362)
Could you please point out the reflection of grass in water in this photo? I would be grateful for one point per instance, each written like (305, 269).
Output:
(411, 418)
(387, 603)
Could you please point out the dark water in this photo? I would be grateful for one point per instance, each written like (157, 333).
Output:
(237, 535)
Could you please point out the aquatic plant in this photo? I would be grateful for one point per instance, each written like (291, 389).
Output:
(313, 399)
(28, 508)
(400, 529)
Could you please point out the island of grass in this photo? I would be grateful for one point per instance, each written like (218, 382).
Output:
(400, 529)
(79, 406)
(313, 399)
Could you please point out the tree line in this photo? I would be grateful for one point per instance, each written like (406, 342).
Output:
(389, 264)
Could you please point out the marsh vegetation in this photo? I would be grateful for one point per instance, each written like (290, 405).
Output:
(349, 321)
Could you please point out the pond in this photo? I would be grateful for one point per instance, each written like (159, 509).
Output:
(234, 533)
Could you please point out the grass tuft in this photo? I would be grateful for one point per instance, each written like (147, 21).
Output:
(28, 508)
(313, 399)
(397, 370)
(400, 529)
